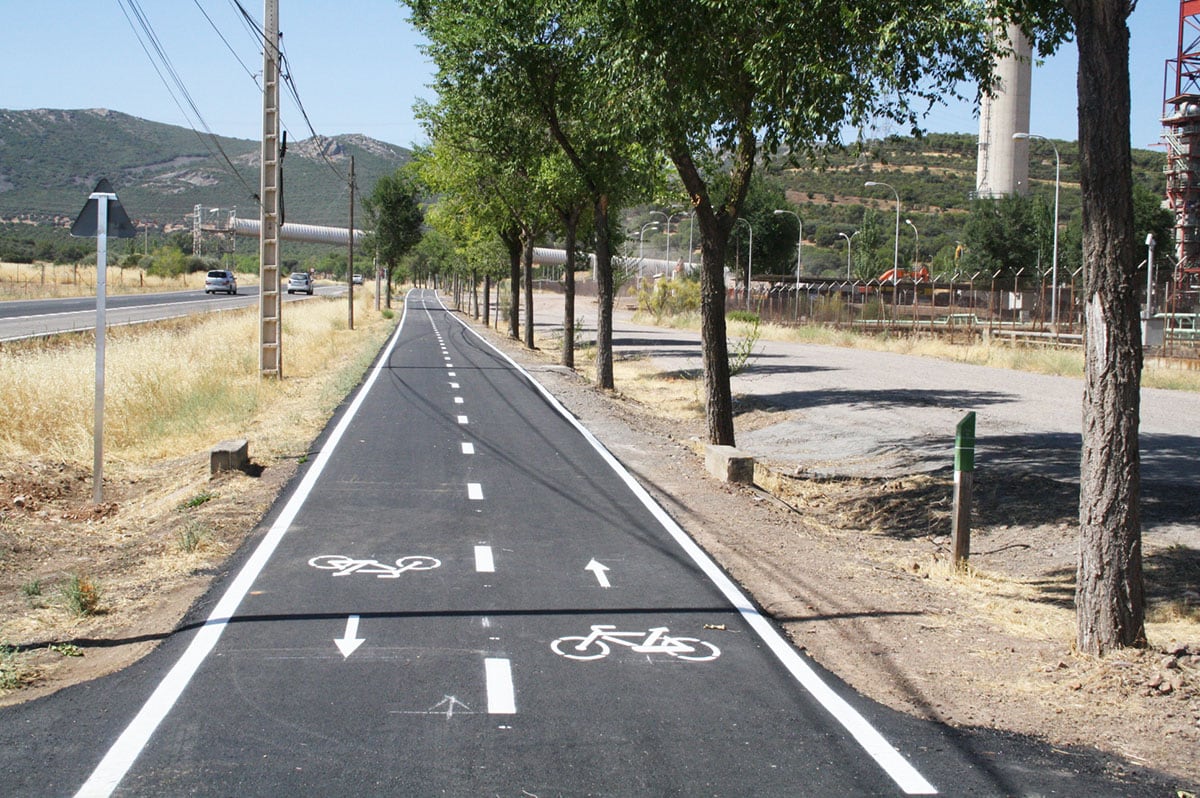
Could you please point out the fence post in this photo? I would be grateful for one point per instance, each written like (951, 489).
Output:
(964, 475)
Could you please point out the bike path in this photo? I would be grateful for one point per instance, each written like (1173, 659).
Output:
(456, 580)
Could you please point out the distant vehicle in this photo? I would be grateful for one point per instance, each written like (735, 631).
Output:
(300, 283)
(220, 280)
(357, 279)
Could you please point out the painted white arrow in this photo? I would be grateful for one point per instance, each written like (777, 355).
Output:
(599, 569)
(350, 641)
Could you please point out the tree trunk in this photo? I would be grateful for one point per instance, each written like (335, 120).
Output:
(604, 296)
(718, 399)
(1109, 592)
(513, 242)
(487, 300)
(570, 223)
(527, 265)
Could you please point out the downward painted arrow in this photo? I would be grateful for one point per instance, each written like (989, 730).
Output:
(600, 570)
(349, 641)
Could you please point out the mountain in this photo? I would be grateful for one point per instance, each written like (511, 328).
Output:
(50, 160)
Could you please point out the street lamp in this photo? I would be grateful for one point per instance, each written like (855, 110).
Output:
(896, 248)
(916, 248)
(799, 246)
(1054, 257)
(749, 261)
(848, 237)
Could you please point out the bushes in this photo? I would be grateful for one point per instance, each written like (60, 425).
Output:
(670, 298)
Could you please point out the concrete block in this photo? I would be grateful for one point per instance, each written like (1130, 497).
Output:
(729, 464)
(229, 456)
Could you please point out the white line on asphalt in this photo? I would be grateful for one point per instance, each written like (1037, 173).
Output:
(462, 419)
(501, 698)
(885, 755)
(120, 757)
(485, 563)
(474, 491)
(451, 374)
(468, 448)
(454, 385)
(458, 400)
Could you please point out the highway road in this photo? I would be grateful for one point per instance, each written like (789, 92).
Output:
(38, 317)
(465, 594)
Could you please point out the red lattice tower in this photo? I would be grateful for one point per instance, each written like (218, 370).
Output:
(1181, 132)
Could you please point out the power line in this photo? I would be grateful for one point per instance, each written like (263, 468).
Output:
(159, 56)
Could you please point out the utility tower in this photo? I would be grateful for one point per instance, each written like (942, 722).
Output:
(1181, 132)
(269, 301)
(1002, 167)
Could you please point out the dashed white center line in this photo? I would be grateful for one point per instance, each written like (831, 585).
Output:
(474, 491)
(451, 374)
(485, 563)
(468, 448)
(462, 419)
(458, 400)
(454, 385)
(501, 697)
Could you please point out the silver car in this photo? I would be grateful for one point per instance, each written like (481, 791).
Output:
(300, 283)
(220, 280)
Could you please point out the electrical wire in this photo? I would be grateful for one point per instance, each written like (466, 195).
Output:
(159, 56)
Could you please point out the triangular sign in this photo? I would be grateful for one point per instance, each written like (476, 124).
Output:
(119, 225)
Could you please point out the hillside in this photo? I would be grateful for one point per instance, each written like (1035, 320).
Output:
(51, 159)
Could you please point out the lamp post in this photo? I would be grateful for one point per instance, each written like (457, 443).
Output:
(1054, 256)
(799, 246)
(848, 237)
(896, 248)
(916, 247)
(749, 261)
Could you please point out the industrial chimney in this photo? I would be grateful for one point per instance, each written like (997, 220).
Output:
(1003, 164)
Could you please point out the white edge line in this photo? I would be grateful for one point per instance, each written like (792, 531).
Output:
(885, 755)
(121, 756)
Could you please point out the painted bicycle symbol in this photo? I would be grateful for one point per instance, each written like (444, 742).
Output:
(344, 566)
(653, 641)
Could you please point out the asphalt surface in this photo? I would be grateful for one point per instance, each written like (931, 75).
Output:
(32, 318)
(465, 594)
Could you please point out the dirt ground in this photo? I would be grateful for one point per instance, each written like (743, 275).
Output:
(854, 569)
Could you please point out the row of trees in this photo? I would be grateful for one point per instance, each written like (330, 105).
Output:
(560, 116)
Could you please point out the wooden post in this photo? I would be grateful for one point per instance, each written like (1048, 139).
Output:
(964, 476)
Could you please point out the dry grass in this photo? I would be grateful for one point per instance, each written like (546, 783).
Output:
(47, 280)
(179, 387)
(1055, 362)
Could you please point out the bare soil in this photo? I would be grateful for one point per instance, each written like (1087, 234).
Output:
(855, 570)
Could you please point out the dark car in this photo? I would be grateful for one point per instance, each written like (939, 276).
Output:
(300, 283)
(220, 280)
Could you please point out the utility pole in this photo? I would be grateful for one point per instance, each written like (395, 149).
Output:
(350, 256)
(269, 302)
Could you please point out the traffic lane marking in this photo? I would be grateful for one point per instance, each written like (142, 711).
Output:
(885, 755)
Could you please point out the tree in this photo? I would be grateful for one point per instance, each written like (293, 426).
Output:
(1109, 588)
(542, 59)
(1001, 236)
(723, 85)
(395, 215)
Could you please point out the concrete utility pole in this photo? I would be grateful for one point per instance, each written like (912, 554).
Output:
(269, 303)
(350, 256)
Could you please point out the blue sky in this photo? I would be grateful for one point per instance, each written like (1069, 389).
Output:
(358, 69)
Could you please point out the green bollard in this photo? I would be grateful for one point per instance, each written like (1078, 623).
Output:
(964, 476)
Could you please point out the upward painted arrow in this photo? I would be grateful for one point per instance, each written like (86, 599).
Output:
(350, 641)
(600, 570)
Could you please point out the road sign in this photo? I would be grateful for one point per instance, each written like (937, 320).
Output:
(118, 225)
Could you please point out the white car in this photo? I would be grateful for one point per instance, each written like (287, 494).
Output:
(220, 280)
(300, 283)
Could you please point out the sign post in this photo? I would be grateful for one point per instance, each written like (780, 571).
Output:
(101, 217)
(964, 476)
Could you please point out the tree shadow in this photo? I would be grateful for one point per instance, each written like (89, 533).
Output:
(882, 399)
